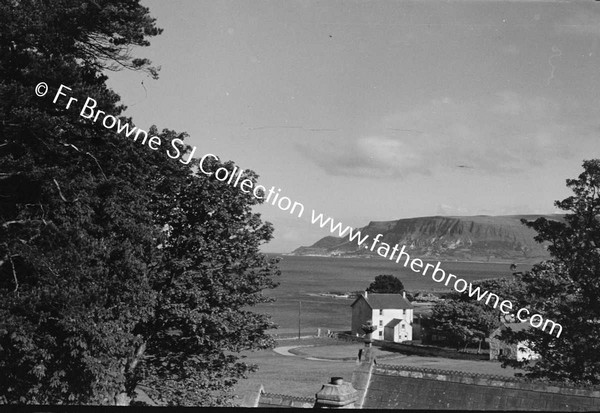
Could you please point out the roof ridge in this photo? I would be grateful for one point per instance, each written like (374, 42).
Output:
(385, 300)
(488, 376)
(287, 396)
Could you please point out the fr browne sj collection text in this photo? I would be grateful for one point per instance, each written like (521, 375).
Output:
(89, 111)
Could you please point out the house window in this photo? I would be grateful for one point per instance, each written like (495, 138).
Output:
(380, 333)
(380, 312)
(380, 323)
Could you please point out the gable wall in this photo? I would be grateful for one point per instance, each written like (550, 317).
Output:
(361, 312)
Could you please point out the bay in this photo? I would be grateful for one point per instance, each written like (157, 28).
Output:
(304, 277)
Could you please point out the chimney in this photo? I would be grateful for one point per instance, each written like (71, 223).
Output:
(404, 294)
(366, 294)
(337, 394)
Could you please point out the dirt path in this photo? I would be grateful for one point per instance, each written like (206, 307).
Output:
(285, 350)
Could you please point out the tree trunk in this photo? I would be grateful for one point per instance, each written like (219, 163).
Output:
(122, 398)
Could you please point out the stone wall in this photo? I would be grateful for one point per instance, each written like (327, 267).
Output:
(429, 351)
(415, 349)
(498, 347)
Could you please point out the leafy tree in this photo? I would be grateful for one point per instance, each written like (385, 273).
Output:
(463, 321)
(566, 288)
(95, 34)
(211, 271)
(386, 284)
(509, 288)
(118, 265)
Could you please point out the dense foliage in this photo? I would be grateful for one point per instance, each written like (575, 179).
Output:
(386, 284)
(566, 288)
(463, 320)
(119, 267)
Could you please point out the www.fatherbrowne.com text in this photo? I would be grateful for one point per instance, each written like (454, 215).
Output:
(236, 178)
(438, 275)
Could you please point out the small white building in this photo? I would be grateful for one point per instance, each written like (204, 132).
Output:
(391, 314)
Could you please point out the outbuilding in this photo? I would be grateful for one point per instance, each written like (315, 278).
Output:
(520, 351)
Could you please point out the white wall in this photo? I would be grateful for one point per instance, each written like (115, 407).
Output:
(380, 321)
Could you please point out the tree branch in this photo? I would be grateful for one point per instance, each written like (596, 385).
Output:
(138, 355)
(12, 264)
(7, 223)
(23, 221)
(97, 163)
(88, 154)
(61, 194)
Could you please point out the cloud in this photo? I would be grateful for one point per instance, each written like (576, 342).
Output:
(501, 133)
(582, 22)
(518, 209)
(376, 156)
(445, 209)
(511, 50)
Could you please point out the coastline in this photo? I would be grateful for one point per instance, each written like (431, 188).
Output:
(424, 258)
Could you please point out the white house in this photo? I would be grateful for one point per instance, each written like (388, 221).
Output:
(391, 314)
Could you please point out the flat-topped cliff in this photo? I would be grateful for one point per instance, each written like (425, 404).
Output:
(468, 238)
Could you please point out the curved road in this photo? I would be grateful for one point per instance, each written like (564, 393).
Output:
(285, 350)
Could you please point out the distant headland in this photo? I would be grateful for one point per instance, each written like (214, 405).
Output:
(457, 238)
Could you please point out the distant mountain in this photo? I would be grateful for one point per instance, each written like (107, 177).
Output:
(475, 238)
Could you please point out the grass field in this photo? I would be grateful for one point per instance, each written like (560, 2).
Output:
(291, 375)
(301, 377)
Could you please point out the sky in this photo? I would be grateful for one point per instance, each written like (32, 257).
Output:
(380, 110)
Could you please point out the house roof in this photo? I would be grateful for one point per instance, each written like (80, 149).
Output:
(420, 388)
(385, 301)
(284, 401)
(516, 327)
(394, 323)
(411, 387)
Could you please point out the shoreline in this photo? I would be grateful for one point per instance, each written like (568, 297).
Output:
(428, 259)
